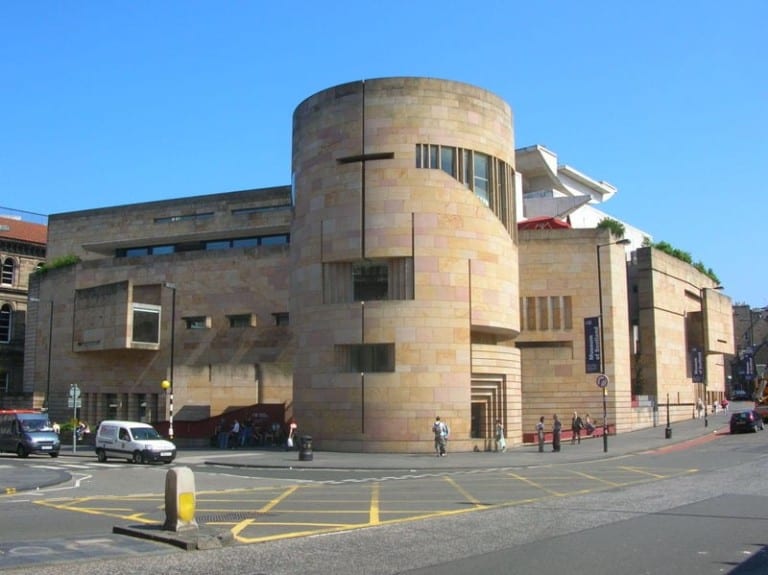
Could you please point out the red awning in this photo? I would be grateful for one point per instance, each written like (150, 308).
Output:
(543, 223)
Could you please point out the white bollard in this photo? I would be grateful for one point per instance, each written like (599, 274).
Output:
(180, 500)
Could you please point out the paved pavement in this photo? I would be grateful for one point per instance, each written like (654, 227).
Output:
(15, 478)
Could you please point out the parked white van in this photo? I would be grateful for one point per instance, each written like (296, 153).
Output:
(134, 441)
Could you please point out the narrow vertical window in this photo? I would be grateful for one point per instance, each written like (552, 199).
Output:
(557, 312)
(530, 312)
(5, 323)
(466, 168)
(543, 313)
(434, 161)
(481, 177)
(448, 160)
(9, 267)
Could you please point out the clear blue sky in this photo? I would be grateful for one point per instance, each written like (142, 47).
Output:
(107, 103)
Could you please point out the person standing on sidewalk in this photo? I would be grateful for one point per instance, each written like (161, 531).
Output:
(540, 433)
(557, 428)
(440, 429)
(576, 425)
(501, 442)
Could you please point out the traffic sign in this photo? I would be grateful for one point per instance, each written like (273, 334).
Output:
(601, 381)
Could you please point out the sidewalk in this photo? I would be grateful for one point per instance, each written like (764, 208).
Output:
(591, 448)
(19, 478)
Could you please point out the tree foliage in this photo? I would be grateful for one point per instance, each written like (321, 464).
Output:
(616, 228)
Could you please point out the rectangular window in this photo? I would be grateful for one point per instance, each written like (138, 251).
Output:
(567, 312)
(530, 313)
(281, 318)
(241, 320)
(543, 313)
(217, 245)
(481, 177)
(277, 240)
(7, 273)
(197, 322)
(146, 323)
(466, 168)
(245, 242)
(369, 280)
(366, 357)
(557, 312)
(448, 160)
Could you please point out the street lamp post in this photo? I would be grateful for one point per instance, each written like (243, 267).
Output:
(167, 384)
(704, 350)
(604, 390)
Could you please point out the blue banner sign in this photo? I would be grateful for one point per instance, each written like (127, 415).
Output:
(592, 350)
(697, 364)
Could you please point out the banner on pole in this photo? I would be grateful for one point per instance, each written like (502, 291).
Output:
(592, 350)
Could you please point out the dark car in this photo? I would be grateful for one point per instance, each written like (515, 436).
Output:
(739, 395)
(748, 420)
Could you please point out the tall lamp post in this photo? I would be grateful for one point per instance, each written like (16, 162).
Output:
(704, 348)
(623, 241)
(167, 384)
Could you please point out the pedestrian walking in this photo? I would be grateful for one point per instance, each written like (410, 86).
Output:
(440, 430)
(576, 426)
(501, 442)
(557, 428)
(540, 433)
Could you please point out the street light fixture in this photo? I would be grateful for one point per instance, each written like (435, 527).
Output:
(702, 299)
(167, 384)
(623, 241)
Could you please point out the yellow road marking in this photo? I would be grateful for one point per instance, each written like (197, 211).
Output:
(373, 515)
(536, 485)
(596, 478)
(465, 493)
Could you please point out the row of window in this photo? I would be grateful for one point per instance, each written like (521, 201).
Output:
(368, 280)
(209, 215)
(546, 313)
(146, 322)
(490, 178)
(224, 244)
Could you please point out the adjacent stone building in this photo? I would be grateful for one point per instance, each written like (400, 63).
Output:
(22, 250)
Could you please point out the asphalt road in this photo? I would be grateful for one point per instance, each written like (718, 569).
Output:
(698, 505)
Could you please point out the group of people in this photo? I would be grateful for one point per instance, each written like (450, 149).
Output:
(577, 426)
(250, 433)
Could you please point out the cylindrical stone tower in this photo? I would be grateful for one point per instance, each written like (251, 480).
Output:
(404, 289)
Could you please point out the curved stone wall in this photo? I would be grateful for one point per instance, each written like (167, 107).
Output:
(401, 260)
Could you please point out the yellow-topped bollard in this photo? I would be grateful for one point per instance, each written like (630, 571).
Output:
(180, 500)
